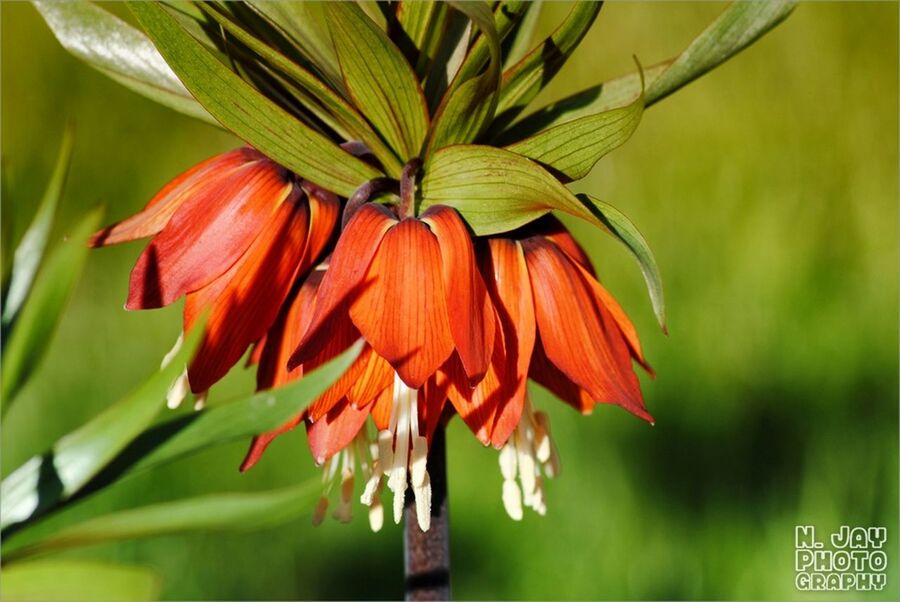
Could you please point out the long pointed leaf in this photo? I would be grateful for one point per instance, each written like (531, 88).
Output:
(323, 101)
(31, 248)
(304, 23)
(44, 481)
(467, 108)
(39, 317)
(378, 78)
(622, 228)
(522, 34)
(78, 580)
(522, 82)
(740, 25)
(574, 147)
(215, 512)
(249, 114)
(120, 51)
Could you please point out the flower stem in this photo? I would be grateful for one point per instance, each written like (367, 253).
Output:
(427, 554)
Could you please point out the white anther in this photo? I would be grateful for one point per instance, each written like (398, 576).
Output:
(423, 503)
(508, 463)
(200, 401)
(178, 391)
(376, 514)
(417, 463)
(512, 499)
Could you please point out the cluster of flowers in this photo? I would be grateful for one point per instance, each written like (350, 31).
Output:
(451, 323)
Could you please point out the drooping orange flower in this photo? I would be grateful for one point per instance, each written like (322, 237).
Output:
(412, 290)
(444, 317)
(231, 234)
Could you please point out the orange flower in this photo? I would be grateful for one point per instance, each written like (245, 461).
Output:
(412, 290)
(443, 318)
(231, 234)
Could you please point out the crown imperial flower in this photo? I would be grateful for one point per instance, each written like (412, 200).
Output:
(391, 193)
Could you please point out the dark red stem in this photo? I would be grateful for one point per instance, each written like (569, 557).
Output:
(427, 554)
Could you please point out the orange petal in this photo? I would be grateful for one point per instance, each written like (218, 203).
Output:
(334, 431)
(324, 209)
(197, 180)
(579, 337)
(340, 388)
(347, 267)
(551, 228)
(375, 378)
(283, 335)
(606, 300)
(432, 402)
(506, 274)
(469, 308)
(244, 302)
(547, 375)
(401, 310)
(381, 409)
(207, 235)
(261, 442)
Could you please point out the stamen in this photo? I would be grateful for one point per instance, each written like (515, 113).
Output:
(178, 391)
(529, 455)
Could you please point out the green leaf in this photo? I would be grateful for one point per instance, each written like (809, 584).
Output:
(119, 51)
(523, 33)
(574, 147)
(264, 411)
(525, 79)
(44, 481)
(249, 114)
(40, 315)
(378, 78)
(616, 223)
(740, 25)
(468, 108)
(304, 23)
(77, 581)
(31, 248)
(319, 98)
(190, 433)
(221, 511)
(423, 25)
(496, 190)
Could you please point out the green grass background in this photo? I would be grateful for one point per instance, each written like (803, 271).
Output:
(768, 191)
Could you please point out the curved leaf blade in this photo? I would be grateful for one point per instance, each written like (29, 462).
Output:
(616, 223)
(31, 248)
(190, 433)
(389, 96)
(524, 80)
(40, 315)
(469, 104)
(78, 580)
(495, 190)
(45, 481)
(740, 25)
(215, 512)
(321, 100)
(574, 147)
(249, 114)
(120, 51)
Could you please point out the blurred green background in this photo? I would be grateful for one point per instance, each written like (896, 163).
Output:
(768, 191)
